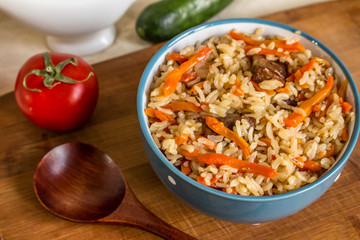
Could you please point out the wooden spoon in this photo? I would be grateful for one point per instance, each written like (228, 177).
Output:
(78, 182)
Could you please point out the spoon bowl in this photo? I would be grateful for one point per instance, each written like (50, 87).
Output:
(78, 182)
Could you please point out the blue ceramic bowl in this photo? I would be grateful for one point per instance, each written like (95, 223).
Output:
(235, 208)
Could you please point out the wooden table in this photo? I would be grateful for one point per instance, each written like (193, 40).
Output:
(114, 129)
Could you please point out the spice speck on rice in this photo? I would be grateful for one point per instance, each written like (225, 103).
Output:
(249, 115)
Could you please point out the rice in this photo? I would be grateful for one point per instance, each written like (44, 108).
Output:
(222, 88)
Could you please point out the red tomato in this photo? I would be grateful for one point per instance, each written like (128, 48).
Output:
(57, 91)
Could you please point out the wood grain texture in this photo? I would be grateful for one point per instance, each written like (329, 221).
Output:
(114, 129)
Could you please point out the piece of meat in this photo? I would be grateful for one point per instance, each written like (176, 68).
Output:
(252, 121)
(207, 131)
(229, 120)
(264, 69)
(290, 102)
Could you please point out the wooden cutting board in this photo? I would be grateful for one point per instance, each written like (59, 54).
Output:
(114, 129)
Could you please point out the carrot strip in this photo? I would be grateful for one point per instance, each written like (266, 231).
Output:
(299, 162)
(345, 134)
(164, 117)
(243, 166)
(202, 181)
(171, 82)
(188, 77)
(185, 167)
(316, 108)
(221, 129)
(267, 141)
(295, 119)
(241, 36)
(259, 89)
(307, 67)
(182, 138)
(345, 106)
(238, 91)
(207, 142)
(194, 60)
(193, 154)
(305, 85)
(178, 57)
(154, 113)
(153, 120)
(307, 165)
(174, 76)
(183, 106)
(295, 47)
(283, 89)
(301, 97)
(150, 112)
(331, 151)
(321, 154)
(213, 180)
(311, 166)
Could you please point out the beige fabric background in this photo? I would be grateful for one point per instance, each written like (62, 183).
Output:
(18, 42)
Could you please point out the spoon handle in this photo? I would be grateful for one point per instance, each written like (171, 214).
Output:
(131, 212)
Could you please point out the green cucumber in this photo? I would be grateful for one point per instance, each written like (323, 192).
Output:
(163, 20)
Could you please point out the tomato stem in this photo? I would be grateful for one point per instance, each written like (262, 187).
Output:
(52, 73)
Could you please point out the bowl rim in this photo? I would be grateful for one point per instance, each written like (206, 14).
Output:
(328, 174)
